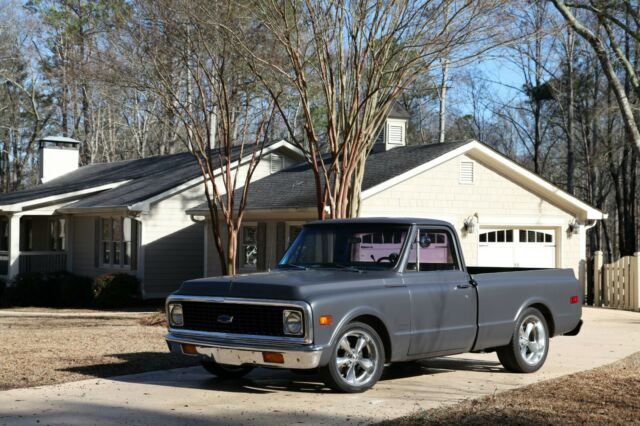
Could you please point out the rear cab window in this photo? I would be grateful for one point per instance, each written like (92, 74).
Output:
(434, 250)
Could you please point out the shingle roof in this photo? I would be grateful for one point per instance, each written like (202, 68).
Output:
(146, 177)
(294, 187)
(398, 111)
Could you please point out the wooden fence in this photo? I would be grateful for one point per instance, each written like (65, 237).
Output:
(617, 284)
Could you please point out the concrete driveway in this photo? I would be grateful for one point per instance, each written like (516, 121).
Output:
(191, 396)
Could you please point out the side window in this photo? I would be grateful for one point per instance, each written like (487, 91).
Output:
(436, 252)
(249, 247)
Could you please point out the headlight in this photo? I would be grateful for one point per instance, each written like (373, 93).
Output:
(292, 322)
(175, 315)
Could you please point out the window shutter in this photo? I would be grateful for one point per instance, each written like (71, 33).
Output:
(396, 135)
(280, 235)
(134, 244)
(262, 247)
(96, 240)
(466, 172)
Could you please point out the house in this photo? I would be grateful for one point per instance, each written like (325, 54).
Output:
(506, 216)
(126, 216)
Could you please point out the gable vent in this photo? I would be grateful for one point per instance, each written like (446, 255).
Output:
(276, 163)
(466, 172)
(396, 135)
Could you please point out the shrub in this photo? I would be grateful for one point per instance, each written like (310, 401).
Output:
(33, 289)
(3, 284)
(116, 290)
(72, 290)
(52, 290)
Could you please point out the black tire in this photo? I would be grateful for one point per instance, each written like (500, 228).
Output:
(361, 370)
(224, 371)
(523, 354)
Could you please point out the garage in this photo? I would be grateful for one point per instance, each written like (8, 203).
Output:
(517, 248)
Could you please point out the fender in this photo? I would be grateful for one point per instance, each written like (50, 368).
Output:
(346, 319)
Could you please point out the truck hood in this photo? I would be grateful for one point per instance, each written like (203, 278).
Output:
(288, 284)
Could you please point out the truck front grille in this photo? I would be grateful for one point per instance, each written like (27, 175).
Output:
(236, 318)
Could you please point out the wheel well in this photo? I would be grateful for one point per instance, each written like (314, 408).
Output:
(547, 316)
(379, 327)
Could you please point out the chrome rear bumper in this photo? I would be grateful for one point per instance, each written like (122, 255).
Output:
(303, 357)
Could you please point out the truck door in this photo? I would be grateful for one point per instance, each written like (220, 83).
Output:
(443, 302)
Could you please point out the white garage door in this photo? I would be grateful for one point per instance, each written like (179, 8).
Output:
(518, 247)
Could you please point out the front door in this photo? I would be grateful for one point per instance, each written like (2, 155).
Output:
(443, 302)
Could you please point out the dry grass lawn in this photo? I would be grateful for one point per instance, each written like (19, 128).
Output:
(47, 350)
(605, 395)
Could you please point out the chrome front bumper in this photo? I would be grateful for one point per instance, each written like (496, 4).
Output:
(303, 357)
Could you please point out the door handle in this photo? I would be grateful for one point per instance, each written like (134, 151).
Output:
(463, 285)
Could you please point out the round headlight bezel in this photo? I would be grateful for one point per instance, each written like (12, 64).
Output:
(176, 315)
(293, 322)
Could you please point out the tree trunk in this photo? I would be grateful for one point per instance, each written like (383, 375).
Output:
(443, 102)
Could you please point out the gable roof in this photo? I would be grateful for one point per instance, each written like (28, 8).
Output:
(294, 188)
(116, 184)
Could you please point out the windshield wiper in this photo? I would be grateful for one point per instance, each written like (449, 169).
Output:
(292, 265)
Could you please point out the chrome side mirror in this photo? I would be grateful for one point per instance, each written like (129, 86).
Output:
(425, 241)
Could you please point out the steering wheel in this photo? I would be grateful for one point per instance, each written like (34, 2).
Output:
(392, 258)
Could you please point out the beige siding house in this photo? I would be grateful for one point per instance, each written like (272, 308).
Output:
(505, 215)
(126, 216)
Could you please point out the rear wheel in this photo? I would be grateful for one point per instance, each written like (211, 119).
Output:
(529, 345)
(357, 359)
(225, 371)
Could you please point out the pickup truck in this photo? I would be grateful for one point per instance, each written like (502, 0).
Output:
(349, 296)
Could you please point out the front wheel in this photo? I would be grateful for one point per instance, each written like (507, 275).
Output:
(529, 345)
(357, 359)
(224, 371)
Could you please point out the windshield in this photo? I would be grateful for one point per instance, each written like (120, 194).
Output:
(347, 246)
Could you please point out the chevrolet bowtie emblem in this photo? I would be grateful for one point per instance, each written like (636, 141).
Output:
(225, 319)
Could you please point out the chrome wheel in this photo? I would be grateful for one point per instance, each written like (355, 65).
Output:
(356, 357)
(532, 340)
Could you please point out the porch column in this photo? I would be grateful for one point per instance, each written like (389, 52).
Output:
(14, 246)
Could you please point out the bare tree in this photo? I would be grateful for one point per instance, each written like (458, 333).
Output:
(605, 54)
(194, 72)
(357, 57)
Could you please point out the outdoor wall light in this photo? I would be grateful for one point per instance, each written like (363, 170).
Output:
(469, 225)
(574, 227)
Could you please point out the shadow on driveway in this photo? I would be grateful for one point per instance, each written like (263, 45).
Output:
(260, 380)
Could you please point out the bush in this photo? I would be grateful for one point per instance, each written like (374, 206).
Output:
(33, 289)
(73, 290)
(52, 290)
(116, 290)
(3, 284)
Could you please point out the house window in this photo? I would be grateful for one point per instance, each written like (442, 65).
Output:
(249, 247)
(116, 245)
(276, 163)
(57, 233)
(294, 230)
(466, 172)
(4, 234)
(500, 236)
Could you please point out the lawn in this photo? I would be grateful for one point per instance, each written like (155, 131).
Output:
(605, 395)
(44, 350)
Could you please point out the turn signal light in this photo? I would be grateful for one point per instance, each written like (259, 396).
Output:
(189, 349)
(574, 300)
(326, 320)
(273, 357)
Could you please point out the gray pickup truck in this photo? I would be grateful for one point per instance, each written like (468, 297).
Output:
(349, 296)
